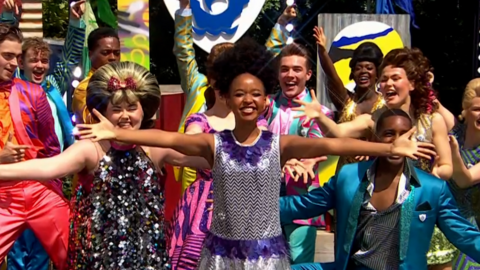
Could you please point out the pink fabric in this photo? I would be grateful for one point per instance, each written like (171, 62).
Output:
(281, 125)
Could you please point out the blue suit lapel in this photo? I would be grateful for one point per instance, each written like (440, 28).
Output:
(406, 214)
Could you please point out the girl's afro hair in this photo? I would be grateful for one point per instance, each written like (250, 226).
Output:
(247, 56)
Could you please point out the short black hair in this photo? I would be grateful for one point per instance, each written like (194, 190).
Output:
(98, 34)
(247, 56)
(366, 52)
(386, 113)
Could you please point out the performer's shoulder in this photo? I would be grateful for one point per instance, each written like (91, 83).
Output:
(27, 86)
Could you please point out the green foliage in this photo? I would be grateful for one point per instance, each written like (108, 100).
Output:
(55, 18)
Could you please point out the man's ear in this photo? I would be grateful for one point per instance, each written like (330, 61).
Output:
(309, 74)
(20, 63)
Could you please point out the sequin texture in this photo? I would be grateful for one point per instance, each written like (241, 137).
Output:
(117, 222)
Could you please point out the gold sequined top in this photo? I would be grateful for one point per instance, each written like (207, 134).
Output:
(349, 114)
(424, 133)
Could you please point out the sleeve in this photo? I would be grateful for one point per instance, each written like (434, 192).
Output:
(191, 78)
(312, 204)
(46, 126)
(9, 18)
(71, 54)
(262, 122)
(459, 231)
(197, 119)
(277, 39)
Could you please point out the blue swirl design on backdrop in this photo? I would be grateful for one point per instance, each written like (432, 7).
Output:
(219, 23)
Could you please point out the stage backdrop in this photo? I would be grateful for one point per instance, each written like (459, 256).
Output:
(133, 30)
(344, 33)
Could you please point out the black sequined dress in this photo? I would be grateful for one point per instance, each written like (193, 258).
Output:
(117, 219)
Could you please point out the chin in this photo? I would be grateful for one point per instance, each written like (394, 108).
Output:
(395, 160)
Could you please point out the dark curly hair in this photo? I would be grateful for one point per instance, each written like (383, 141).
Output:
(247, 56)
(417, 68)
(366, 52)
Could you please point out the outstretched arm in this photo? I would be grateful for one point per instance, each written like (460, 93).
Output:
(309, 205)
(448, 117)
(459, 231)
(298, 147)
(71, 54)
(353, 129)
(190, 78)
(464, 177)
(336, 90)
(77, 157)
(175, 158)
(279, 35)
(443, 167)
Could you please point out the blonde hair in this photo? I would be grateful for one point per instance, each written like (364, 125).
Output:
(472, 90)
(146, 89)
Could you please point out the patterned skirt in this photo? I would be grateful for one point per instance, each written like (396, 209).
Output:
(265, 254)
(441, 250)
(191, 223)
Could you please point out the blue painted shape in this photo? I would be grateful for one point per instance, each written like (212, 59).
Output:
(219, 23)
(345, 41)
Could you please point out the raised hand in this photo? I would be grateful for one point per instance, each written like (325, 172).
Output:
(104, 130)
(320, 37)
(184, 4)
(11, 6)
(407, 146)
(288, 15)
(309, 110)
(12, 153)
(77, 9)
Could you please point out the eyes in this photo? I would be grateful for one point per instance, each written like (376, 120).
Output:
(130, 108)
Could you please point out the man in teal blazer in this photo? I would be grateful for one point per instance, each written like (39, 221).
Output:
(386, 210)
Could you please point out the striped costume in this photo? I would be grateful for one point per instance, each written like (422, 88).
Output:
(48, 211)
(468, 199)
(27, 249)
(194, 83)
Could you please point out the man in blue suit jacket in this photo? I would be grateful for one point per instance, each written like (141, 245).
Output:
(386, 210)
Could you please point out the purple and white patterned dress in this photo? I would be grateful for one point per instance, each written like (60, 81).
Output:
(245, 231)
(191, 219)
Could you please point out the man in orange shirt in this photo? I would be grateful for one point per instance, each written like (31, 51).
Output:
(26, 132)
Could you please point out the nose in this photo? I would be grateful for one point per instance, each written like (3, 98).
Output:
(290, 73)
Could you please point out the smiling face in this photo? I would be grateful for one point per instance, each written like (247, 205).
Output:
(35, 65)
(364, 74)
(125, 115)
(472, 114)
(294, 74)
(390, 128)
(10, 53)
(395, 86)
(246, 97)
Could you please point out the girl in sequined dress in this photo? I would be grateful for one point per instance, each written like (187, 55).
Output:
(405, 84)
(117, 208)
(246, 163)
(465, 147)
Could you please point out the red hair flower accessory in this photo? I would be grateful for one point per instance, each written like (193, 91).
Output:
(115, 84)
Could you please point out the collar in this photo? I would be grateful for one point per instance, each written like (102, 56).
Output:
(408, 171)
(6, 86)
(46, 85)
(288, 102)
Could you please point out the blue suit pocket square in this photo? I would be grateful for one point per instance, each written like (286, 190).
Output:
(425, 206)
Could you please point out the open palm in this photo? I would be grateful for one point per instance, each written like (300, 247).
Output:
(406, 145)
(104, 130)
(320, 37)
(309, 110)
